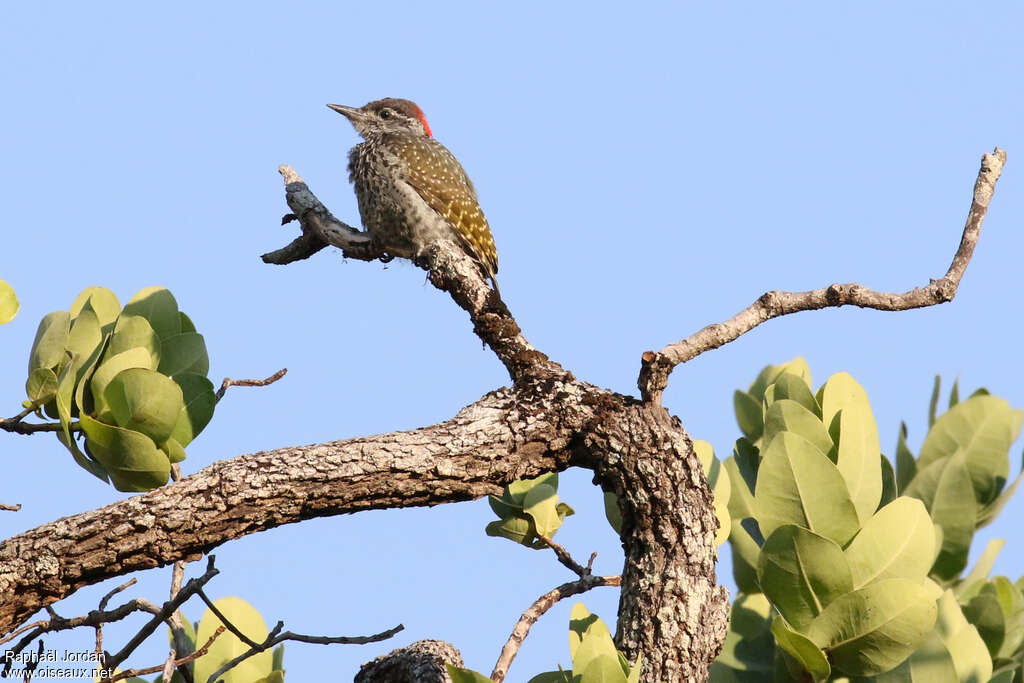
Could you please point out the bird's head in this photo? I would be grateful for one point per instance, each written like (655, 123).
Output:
(389, 115)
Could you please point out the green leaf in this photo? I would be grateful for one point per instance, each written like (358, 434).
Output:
(514, 528)
(991, 510)
(790, 386)
(982, 567)
(984, 612)
(183, 353)
(515, 492)
(132, 459)
(798, 484)
(274, 677)
(983, 428)
(546, 677)
(8, 303)
(84, 342)
(157, 305)
(51, 337)
(228, 646)
(467, 676)
(132, 332)
(41, 385)
(748, 414)
(897, 542)
(748, 643)
(200, 400)
(889, 491)
(612, 512)
(580, 621)
(596, 655)
(786, 415)
(906, 466)
(112, 366)
(802, 649)
(278, 663)
(955, 512)
(933, 403)
(173, 450)
(970, 656)
(858, 451)
(871, 630)
(718, 481)
(801, 573)
(145, 401)
(954, 394)
(603, 669)
(186, 323)
(745, 552)
(930, 663)
(539, 505)
(63, 403)
(103, 303)
(503, 509)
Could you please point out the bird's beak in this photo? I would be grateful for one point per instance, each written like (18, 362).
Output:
(351, 113)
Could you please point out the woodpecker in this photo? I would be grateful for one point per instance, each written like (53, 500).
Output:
(412, 191)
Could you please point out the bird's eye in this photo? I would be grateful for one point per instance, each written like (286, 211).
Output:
(385, 113)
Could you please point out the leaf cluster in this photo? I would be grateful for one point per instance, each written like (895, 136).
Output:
(134, 377)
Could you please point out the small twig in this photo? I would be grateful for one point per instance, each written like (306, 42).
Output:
(11, 508)
(102, 606)
(656, 366)
(176, 662)
(18, 631)
(319, 227)
(20, 427)
(538, 608)
(164, 613)
(566, 559)
(228, 382)
(178, 639)
(276, 637)
(227, 622)
(34, 663)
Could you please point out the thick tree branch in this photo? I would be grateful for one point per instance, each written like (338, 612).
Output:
(656, 366)
(461, 459)
(422, 662)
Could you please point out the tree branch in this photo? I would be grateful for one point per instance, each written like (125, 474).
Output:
(656, 366)
(275, 636)
(228, 382)
(462, 459)
(450, 270)
(174, 662)
(536, 610)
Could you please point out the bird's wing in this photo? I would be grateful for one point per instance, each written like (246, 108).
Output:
(443, 184)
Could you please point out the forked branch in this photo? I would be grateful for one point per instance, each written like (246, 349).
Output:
(657, 365)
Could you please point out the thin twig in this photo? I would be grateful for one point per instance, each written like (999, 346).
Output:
(276, 637)
(227, 622)
(35, 427)
(34, 663)
(566, 559)
(169, 607)
(534, 612)
(228, 382)
(176, 662)
(18, 631)
(11, 508)
(178, 639)
(656, 366)
(102, 606)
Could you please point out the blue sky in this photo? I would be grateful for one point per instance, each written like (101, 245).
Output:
(645, 172)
